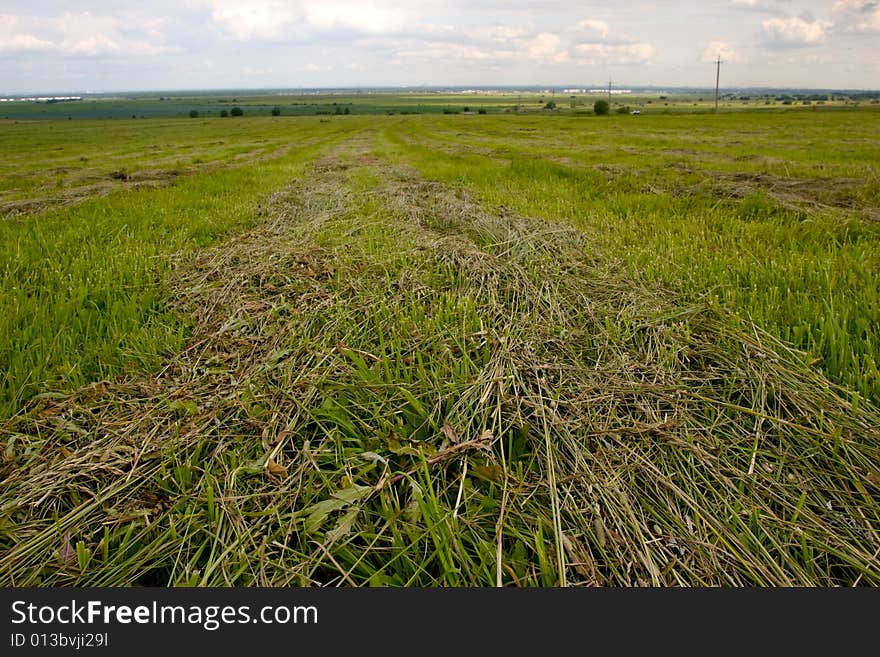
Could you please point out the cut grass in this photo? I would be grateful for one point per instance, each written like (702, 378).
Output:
(81, 289)
(779, 242)
(50, 164)
(389, 383)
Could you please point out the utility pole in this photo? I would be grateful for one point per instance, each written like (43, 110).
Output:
(717, 79)
(609, 91)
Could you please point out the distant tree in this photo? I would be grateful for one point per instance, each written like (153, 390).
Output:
(236, 111)
(194, 114)
(623, 109)
(338, 110)
(601, 107)
(550, 105)
(224, 113)
(276, 111)
(482, 110)
(467, 109)
(347, 111)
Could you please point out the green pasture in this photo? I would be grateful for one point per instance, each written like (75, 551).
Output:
(212, 105)
(81, 295)
(520, 348)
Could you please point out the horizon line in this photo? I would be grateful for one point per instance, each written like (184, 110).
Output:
(553, 88)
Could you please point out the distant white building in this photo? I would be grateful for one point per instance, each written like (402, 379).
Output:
(40, 99)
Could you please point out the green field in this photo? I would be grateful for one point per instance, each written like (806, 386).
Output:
(211, 105)
(407, 347)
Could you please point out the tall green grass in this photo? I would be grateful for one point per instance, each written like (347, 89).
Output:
(60, 161)
(390, 384)
(686, 201)
(655, 194)
(81, 287)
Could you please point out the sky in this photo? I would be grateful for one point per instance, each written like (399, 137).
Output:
(99, 45)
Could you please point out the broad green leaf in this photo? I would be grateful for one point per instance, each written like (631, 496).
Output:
(343, 527)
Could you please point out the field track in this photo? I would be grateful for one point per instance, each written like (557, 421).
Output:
(388, 383)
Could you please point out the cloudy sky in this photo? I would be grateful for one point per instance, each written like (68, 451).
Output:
(99, 45)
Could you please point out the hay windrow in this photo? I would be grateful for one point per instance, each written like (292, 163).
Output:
(388, 384)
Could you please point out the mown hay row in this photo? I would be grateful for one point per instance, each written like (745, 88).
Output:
(387, 384)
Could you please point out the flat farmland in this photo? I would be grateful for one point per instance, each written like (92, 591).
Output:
(441, 349)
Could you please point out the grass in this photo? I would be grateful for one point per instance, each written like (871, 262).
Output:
(435, 360)
(791, 244)
(209, 105)
(82, 296)
(56, 163)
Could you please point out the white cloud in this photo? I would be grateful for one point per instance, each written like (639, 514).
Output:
(22, 42)
(16, 37)
(794, 32)
(487, 46)
(360, 17)
(621, 53)
(56, 43)
(590, 43)
(441, 51)
(773, 7)
(275, 20)
(494, 34)
(544, 45)
(80, 34)
(87, 34)
(723, 49)
(864, 6)
(255, 19)
(312, 20)
(809, 59)
(583, 42)
(858, 15)
(311, 67)
(592, 26)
